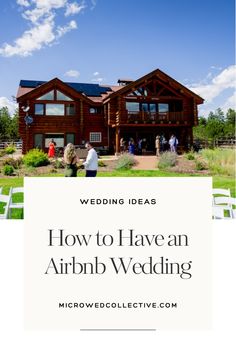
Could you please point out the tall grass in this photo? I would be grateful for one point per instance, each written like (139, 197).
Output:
(125, 162)
(220, 161)
(167, 159)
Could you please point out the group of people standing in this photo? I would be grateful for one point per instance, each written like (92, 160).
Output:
(161, 145)
(90, 164)
(131, 147)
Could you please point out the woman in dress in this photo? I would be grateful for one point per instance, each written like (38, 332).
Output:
(51, 149)
(70, 159)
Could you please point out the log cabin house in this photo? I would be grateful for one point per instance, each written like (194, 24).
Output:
(78, 112)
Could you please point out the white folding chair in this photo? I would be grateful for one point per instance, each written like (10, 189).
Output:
(225, 203)
(220, 191)
(13, 205)
(6, 200)
(218, 212)
(233, 204)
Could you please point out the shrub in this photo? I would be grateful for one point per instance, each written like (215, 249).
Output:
(190, 156)
(101, 163)
(57, 164)
(201, 165)
(15, 163)
(167, 159)
(2, 153)
(10, 150)
(36, 158)
(8, 170)
(125, 162)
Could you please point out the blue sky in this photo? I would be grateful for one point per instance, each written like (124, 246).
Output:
(103, 40)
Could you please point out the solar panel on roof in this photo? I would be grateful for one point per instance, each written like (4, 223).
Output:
(88, 89)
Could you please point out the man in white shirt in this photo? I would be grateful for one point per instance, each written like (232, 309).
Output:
(91, 162)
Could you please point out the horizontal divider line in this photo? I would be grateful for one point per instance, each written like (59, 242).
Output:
(117, 329)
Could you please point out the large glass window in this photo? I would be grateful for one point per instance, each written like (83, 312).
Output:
(163, 107)
(49, 96)
(70, 109)
(39, 109)
(144, 107)
(70, 138)
(38, 141)
(62, 97)
(132, 106)
(152, 107)
(55, 109)
(58, 139)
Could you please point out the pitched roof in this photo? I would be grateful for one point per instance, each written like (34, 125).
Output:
(92, 90)
(102, 93)
(159, 74)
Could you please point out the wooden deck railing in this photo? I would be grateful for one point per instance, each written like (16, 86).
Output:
(150, 118)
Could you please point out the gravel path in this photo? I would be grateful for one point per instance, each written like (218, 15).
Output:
(145, 163)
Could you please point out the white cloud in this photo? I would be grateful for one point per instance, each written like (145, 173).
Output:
(63, 30)
(96, 73)
(217, 90)
(230, 102)
(44, 30)
(31, 40)
(74, 8)
(23, 3)
(72, 73)
(5, 102)
(226, 79)
(99, 80)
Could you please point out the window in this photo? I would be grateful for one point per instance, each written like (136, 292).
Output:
(49, 96)
(70, 109)
(152, 107)
(38, 141)
(144, 107)
(62, 97)
(163, 107)
(132, 106)
(39, 109)
(70, 138)
(55, 109)
(95, 137)
(57, 137)
(95, 110)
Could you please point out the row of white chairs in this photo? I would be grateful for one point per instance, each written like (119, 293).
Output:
(9, 205)
(223, 205)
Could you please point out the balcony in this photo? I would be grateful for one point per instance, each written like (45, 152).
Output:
(151, 118)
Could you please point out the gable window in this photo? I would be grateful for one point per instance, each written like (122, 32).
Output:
(55, 109)
(62, 97)
(95, 137)
(49, 96)
(39, 109)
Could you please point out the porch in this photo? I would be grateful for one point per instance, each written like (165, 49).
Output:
(149, 118)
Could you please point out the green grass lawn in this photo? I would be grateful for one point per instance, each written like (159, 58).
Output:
(218, 182)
